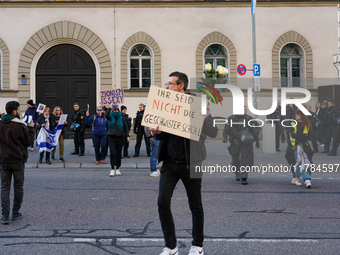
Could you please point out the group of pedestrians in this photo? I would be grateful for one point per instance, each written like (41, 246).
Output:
(328, 123)
(321, 126)
(110, 129)
(179, 155)
(325, 123)
(49, 120)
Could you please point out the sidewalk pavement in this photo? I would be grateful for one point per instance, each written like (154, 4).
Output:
(217, 153)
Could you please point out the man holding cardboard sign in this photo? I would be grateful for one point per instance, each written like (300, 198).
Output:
(174, 150)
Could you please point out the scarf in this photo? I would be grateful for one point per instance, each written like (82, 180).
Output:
(47, 122)
(116, 117)
(302, 159)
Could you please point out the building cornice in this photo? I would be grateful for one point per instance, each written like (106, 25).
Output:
(161, 4)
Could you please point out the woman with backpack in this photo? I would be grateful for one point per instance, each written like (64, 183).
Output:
(115, 135)
(99, 126)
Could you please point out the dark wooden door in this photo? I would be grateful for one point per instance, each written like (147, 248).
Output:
(66, 74)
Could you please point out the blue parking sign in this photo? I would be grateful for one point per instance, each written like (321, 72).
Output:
(257, 69)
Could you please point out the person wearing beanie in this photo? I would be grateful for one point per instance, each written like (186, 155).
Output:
(31, 111)
(127, 119)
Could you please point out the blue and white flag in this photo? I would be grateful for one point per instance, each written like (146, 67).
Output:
(47, 139)
(253, 5)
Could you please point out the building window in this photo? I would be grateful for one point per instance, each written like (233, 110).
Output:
(291, 63)
(216, 55)
(140, 67)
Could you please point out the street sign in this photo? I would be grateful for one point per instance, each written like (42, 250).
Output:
(257, 83)
(256, 69)
(241, 69)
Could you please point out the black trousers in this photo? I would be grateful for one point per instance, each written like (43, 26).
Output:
(125, 146)
(329, 134)
(277, 135)
(170, 175)
(115, 144)
(140, 134)
(7, 171)
(78, 139)
(336, 139)
(314, 142)
(242, 155)
(322, 132)
(288, 138)
(283, 138)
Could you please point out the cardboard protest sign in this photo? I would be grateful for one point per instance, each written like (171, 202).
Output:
(174, 112)
(115, 96)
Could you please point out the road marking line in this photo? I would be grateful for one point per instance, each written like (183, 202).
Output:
(93, 240)
(83, 240)
(219, 240)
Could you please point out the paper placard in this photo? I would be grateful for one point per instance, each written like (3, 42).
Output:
(108, 97)
(62, 119)
(41, 108)
(174, 112)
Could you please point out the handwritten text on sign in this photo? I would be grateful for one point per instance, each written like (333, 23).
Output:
(112, 96)
(174, 112)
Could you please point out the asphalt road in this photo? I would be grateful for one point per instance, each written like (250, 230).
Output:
(84, 211)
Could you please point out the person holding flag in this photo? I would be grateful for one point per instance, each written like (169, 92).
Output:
(46, 120)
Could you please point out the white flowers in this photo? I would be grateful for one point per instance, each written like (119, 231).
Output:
(222, 70)
(208, 67)
(219, 73)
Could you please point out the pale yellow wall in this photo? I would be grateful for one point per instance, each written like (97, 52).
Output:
(178, 32)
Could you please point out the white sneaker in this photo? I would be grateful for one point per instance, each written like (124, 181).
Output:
(31, 149)
(167, 251)
(118, 172)
(154, 174)
(296, 182)
(112, 173)
(159, 172)
(308, 184)
(195, 250)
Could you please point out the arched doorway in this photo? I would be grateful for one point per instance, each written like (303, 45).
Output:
(66, 74)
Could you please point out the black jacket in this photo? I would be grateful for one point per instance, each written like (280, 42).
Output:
(15, 137)
(276, 115)
(229, 132)
(289, 114)
(195, 151)
(41, 120)
(126, 131)
(79, 117)
(313, 119)
(127, 119)
(322, 116)
(138, 121)
(331, 116)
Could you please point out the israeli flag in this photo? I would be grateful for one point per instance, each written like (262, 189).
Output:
(47, 139)
(253, 5)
